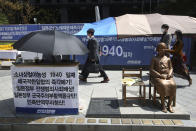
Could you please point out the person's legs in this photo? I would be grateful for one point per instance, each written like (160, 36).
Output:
(84, 67)
(187, 76)
(103, 74)
(180, 68)
(84, 74)
(185, 73)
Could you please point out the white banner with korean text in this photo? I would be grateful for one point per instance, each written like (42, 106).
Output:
(45, 89)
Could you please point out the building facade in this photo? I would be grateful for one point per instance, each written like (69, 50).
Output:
(80, 11)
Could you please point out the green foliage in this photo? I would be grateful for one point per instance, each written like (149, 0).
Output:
(3, 19)
(17, 12)
(22, 12)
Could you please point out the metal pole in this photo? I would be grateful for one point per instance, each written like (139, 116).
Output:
(97, 13)
(142, 6)
(150, 6)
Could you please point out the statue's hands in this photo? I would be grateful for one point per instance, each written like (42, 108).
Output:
(163, 76)
(169, 76)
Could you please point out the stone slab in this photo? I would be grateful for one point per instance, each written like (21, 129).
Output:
(103, 121)
(115, 121)
(126, 121)
(147, 122)
(50, 120)
(60, 120)
(136, 121)
(91, 121)
(157, 122)
(39, 120)
(167, 122)
(178, 122)
(70, 120)
(80, 120)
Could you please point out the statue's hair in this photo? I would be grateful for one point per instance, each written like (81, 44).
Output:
(162, 46)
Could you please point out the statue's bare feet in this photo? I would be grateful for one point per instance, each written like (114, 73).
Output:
(190, 82)
(164, 110)
(171, 109)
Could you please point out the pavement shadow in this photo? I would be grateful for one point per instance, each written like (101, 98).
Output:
(110, 107)
(103, 107)
(7, 108)
(94, 76)
(182, 86)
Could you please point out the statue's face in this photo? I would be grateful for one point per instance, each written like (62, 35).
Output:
(160, 49)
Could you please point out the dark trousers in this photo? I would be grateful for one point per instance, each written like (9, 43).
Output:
(85, 71)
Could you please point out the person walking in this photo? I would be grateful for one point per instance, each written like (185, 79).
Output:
(93, 57)
(166, 37)
(178, 61)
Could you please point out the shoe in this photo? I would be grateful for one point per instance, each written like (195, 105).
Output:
(106, 80)
(83, 79)
(100, 76)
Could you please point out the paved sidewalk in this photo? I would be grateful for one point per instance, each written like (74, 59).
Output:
(93, 90)
(94, 96)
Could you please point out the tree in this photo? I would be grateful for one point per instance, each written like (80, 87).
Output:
(3, 19)
(28, 12)
(17, 11)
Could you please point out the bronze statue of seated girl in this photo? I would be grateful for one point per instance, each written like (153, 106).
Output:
(161, 72)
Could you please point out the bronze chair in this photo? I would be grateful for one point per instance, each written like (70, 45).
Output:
(139, 83)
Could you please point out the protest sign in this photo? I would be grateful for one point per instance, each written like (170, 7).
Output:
(45, 89)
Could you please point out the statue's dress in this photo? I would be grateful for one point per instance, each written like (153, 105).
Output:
(162, 66)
